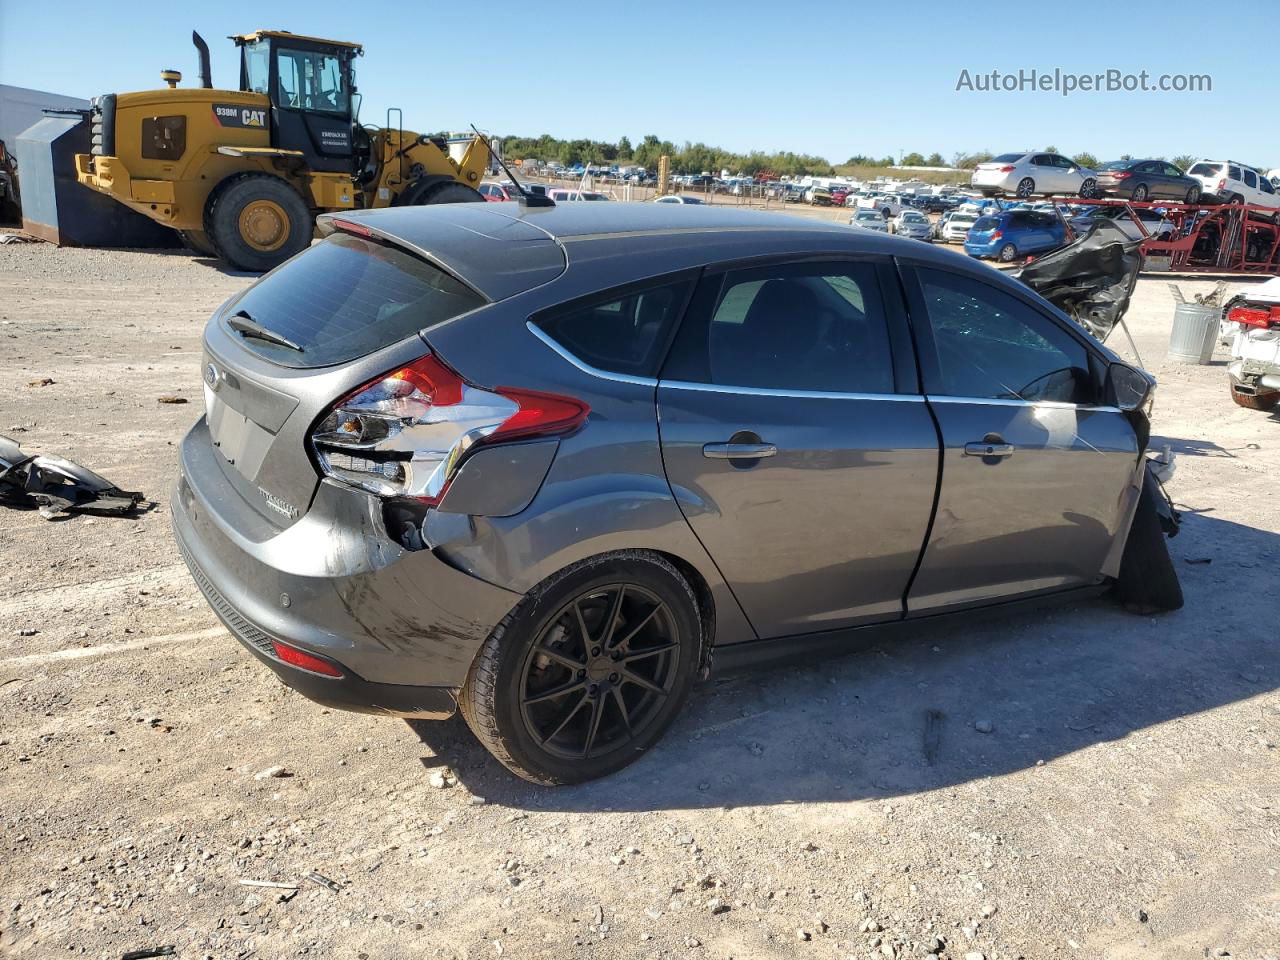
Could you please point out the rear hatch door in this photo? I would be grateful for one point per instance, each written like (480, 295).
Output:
(329, 321)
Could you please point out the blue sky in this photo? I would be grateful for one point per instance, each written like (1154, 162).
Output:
(833, 79)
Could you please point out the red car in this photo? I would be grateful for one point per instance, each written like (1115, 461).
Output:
(499, 192)
(838, 196)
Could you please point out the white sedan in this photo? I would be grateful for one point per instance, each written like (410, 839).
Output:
(1029, 174)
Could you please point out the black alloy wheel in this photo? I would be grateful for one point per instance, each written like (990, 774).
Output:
(599, 672)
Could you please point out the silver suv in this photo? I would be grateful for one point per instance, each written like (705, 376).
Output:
(549, 464)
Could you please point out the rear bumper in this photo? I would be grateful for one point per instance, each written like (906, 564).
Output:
(404, 626)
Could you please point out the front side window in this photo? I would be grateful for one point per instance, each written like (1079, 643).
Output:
(817, 327)
(257, 66)
(621, 335)
(311, 80)
(993, 346)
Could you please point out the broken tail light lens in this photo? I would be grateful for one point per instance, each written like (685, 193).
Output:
(406, 434)
(1258, 317)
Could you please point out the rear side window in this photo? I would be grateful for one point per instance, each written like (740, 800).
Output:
(993, 346)
(816, 327)
(345, 298)
(1009, 158)
(625, 334)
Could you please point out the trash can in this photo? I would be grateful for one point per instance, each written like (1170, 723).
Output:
(1195, 331)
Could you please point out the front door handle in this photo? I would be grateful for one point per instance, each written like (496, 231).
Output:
(738, 451)
(986, 448)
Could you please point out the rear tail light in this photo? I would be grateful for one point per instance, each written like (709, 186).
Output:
(406, 434)
(305, 661)
(1222, 184)
(997, 235)
(1122, 175)
(1259, 317)
(1009, 168)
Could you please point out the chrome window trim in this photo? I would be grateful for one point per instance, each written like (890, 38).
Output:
(586, 367)
(797, 394)
(1003, 402)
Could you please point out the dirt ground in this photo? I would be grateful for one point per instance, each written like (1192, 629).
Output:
(1123, 804)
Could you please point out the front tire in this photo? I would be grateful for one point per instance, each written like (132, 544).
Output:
(1148, 582)
(1089, 188)
(1192, 197)
(197, 241)
(257, 222)
(422, 193)
(588, 671)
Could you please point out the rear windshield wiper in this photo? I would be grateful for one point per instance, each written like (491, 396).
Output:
(246, 326)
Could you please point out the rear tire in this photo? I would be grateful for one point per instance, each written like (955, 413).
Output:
(1008, 253)
(1140, 193)
(1148, 582)
(505, 699)
(1255, 401)
(257, 222)
(1026, 187)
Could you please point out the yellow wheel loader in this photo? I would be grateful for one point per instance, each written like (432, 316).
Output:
(241, 174)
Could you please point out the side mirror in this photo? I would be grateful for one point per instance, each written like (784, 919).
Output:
(1128, 387)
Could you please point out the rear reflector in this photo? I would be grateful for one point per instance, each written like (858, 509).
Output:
(305, 661)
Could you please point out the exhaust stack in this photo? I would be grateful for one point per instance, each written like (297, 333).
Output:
(203, 49)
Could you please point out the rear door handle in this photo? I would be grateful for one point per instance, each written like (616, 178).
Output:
(738, 451)
(981, 448)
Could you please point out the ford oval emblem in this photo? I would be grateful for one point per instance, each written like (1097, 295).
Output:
(211, 376)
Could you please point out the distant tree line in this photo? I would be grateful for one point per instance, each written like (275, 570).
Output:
(691, 158)
(694, 158)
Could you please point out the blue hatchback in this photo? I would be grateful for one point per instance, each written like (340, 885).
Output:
(1012, 234)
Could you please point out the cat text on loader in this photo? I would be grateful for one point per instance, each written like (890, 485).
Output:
(242, 173)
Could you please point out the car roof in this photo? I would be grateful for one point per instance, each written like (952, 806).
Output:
(505, 249)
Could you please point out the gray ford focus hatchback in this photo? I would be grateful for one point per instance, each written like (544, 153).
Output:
(546, 464)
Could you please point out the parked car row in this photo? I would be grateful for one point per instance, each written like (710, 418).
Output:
(1031, 174)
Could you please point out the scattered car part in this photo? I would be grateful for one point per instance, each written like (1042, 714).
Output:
(1091, 279)
(57, 486)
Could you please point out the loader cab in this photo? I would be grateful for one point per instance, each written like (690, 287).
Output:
(310, 84)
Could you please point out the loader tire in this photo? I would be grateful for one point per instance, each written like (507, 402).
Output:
(257, 222)
(1148, 582)
(197, 241)
(422, 194)
(1255, 401)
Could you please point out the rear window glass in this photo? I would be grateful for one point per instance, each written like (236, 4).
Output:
(1009, 158)
(1116, 165)
(1205, 170)
(986, 223)
(342, 299)
(621, 335)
